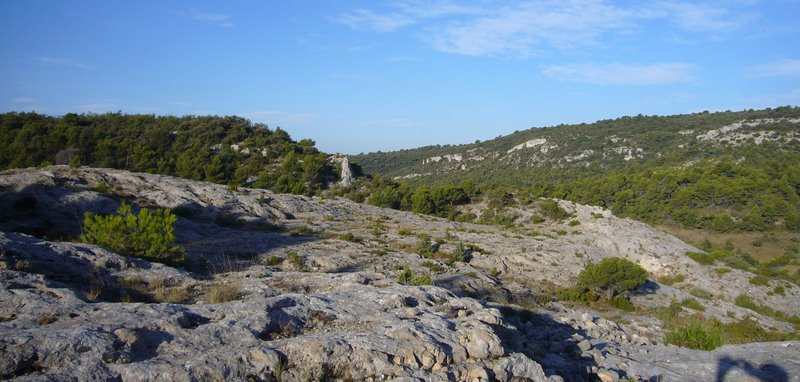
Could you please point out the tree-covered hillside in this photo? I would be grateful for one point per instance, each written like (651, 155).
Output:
(723, 171)
(229, 150)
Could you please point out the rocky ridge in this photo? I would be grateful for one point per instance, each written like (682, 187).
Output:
(76, 311)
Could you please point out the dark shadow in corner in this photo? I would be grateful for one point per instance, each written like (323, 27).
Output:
(549, 343)
(769, 372)
(534, 334)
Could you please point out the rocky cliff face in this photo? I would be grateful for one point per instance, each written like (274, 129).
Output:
(307, 301)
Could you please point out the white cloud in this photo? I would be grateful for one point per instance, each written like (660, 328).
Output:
(366, 19)
(525, 28)
(782, 68)
(56, 61)
(520, 29)
(280, 118)
(211, 18)
(622, 74)
(23, 100)
(704, 17)
(403, 59)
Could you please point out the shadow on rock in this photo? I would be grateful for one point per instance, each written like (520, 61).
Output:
(552, 344)
(215, 239)
(727, 366)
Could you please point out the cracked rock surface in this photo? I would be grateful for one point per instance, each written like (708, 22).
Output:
(306, 305)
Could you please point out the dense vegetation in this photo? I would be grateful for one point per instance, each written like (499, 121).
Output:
(228, 150)
(731, 184)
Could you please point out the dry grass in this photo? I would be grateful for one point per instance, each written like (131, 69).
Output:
(773, 244)
(174, 295)
(223, 292)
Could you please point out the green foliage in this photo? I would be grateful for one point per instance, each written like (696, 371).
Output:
(273, 260)
(700, 257)
(693, 304)
(670, 280)
(613, 273)
(228, 150)
(432, 266)
(148, 234)
(296, 260)
(550, 208)
(759, 280)
(695, 335)
(623, 303)
(678, 179)
(349, 236)
(424, 246)
(460, 253)
(408, 277)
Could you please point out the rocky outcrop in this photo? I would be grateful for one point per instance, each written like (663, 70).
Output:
(304, 304)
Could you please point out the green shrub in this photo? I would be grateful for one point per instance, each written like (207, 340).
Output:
(407, 277)
(722, 270)
(746, 302)
(701, 293)
(693, 304)
(405, 231)
(460, 253)
(295, 260)
(101, 188)
(614, 274)
(621, 302)
(574, 222)
(273, 260)
(694, 336)
(349, 236)
(670, 280)
(432, 266)
(700, 257)
(759, 280)
(552, 210)
(779, 290)
(148, 235)
(424, 246)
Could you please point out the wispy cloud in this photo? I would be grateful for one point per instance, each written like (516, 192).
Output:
(403, 59)
(782, 68)
(211, 18)
(57, 61)
(622, 74)
(23, 100)
(525, 28)
(281, 118)
(704, 17)
(367, 19)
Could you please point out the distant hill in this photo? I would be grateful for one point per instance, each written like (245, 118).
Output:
(229, 150)
(724, 171)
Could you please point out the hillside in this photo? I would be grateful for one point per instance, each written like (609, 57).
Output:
(227, 150)
(295, 288)
(728, 178)
(597, 148)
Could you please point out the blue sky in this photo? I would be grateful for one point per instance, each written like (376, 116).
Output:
(361, 76)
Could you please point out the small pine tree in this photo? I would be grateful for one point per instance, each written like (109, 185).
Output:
(148, 235)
